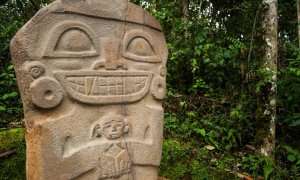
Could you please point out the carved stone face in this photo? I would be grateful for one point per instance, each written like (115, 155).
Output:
(113, 129)
(98, 65)
(81, 61)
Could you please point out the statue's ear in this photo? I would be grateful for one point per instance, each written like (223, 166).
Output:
(96, 131)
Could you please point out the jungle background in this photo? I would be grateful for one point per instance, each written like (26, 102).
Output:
(217, 89)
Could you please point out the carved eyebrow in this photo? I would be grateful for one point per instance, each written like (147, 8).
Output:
(120, 121)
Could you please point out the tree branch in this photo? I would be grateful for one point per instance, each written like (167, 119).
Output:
(252, 39)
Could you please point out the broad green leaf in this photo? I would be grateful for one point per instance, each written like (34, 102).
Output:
(191, 114)
(214, 142)
(228, 147)
(2, 108)
(292, 158)
(267, 171)
(202, 132)
(234, 113)
(10, 67)
(289, 149)
(3, 74)
(10, 95)
(296, 123)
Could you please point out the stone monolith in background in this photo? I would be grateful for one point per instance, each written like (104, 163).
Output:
(92, 76)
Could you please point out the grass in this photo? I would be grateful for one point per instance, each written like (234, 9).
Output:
(13, 166)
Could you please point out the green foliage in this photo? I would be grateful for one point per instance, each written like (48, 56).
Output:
(221, 98)
(10, 106)
(258, 165)
(13, 166)
(211, 127)
(182, 161)
(174, 160)
(294, 155)
(289, 94)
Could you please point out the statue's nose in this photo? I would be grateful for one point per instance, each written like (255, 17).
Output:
(112, 57)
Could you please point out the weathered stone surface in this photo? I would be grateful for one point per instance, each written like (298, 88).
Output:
(92, 75)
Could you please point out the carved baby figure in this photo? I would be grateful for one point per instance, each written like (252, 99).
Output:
(116, 161)
(86, 70)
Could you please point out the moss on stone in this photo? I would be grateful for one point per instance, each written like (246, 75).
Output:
(13, 166)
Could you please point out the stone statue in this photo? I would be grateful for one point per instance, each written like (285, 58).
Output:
(92, 76)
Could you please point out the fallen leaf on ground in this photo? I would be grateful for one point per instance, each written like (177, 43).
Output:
(244, 177)
(260, 177)
(208, 147)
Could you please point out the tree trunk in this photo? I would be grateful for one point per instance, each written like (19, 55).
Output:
(185, 13)
(200, 8)
(185, 4)
(267, 128)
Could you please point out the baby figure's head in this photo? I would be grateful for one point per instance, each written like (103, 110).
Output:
(112, 127)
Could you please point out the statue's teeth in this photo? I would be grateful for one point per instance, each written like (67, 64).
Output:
(102, 86)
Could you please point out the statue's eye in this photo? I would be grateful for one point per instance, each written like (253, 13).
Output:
(72, 41)
(139, 47)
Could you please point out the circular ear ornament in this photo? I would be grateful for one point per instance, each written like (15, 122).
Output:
(158, 88)
(46, 92)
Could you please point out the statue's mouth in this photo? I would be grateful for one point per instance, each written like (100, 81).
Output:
(96, 87)
(115, 135)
